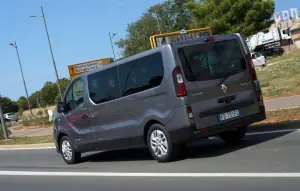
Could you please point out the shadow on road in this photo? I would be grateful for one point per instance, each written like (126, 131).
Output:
(200, 149)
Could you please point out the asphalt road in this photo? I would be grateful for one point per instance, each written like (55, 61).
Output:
(201, 166)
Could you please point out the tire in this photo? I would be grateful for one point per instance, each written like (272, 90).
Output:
(160, 144)
(68, 152)
(234, 136)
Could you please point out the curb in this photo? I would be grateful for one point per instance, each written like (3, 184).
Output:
(274, 126)
(28, 146)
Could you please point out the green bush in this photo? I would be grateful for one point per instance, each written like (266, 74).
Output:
(40, 113)
(37, 121)
(26, 122)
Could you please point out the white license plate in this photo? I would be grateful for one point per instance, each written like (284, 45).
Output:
(229, 115)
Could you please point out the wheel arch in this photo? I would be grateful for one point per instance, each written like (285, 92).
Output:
(147, 127)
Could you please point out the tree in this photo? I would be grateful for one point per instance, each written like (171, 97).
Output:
(232, 16)
(33, 99)
(9, 105)
(171, 15)
(22, 103)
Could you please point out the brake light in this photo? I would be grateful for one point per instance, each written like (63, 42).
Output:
(210, 39)
(178, 82)
(190, 111)
(252, 68)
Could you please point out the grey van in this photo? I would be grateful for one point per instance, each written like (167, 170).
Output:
(162, 98)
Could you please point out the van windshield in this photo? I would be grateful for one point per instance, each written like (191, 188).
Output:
(210, 61)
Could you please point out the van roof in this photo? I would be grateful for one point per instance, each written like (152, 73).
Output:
(128, 59)
(167, 46)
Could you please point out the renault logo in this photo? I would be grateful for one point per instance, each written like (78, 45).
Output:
(224, 88)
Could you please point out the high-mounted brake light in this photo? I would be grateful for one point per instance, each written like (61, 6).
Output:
(178, 82)
(210, 39)
(252, 68)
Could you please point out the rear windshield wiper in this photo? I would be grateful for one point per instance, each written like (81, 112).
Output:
(225, 78)
(228, 75)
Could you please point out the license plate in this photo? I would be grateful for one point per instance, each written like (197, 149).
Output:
(229, 115)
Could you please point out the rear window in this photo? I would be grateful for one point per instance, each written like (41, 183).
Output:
(214, 60)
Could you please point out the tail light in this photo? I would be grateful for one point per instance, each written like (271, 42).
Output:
(210, 39)
(252, 68)
(190, 111)
(178, 82)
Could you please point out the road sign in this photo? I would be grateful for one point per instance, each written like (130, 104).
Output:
(77, 69)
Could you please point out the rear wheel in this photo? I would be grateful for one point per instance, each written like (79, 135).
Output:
(234, 136)
(160, 144)
(68, 152)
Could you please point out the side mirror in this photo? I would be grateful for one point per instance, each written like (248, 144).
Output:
(60, 107)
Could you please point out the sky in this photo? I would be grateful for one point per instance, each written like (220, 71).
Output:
(78, 31)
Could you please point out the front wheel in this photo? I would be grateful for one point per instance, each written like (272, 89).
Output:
(234, 136)
(68, 152)
(160, 144)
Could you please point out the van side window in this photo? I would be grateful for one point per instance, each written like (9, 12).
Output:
(104, 86)
(141, 74)
(78, 92)
(75, 95)
(69, 99)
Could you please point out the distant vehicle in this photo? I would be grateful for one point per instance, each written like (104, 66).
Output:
(162, 98)
(270, 51)
(271, 37)
(11, 117)
(258, 59)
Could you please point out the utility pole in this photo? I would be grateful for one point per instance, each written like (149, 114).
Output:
(112, 46)
(53, 61)
(4, 129)
(28, 102)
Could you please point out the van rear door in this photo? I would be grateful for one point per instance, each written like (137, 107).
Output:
(218, 80)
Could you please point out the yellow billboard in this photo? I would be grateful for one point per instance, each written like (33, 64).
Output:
(77, 69)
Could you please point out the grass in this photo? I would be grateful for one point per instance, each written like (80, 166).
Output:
(27, 140)
(281, 77)
(284, 115)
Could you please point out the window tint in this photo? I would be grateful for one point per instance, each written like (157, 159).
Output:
(75, 95)
(69, 99)
(141, 74)
(78, 92)
(212, 60)
(257, 55)
(104, 86)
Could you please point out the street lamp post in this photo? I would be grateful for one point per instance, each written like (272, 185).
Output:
(4, 128)
(16, 47)
(53, 61)
(112, 47)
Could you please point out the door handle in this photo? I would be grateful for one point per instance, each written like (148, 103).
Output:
(84, 117)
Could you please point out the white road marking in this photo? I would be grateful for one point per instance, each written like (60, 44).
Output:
(128, 174)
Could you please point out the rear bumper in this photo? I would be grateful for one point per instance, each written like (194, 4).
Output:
(190, 133)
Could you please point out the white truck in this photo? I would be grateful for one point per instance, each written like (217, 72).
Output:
(275, 36)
